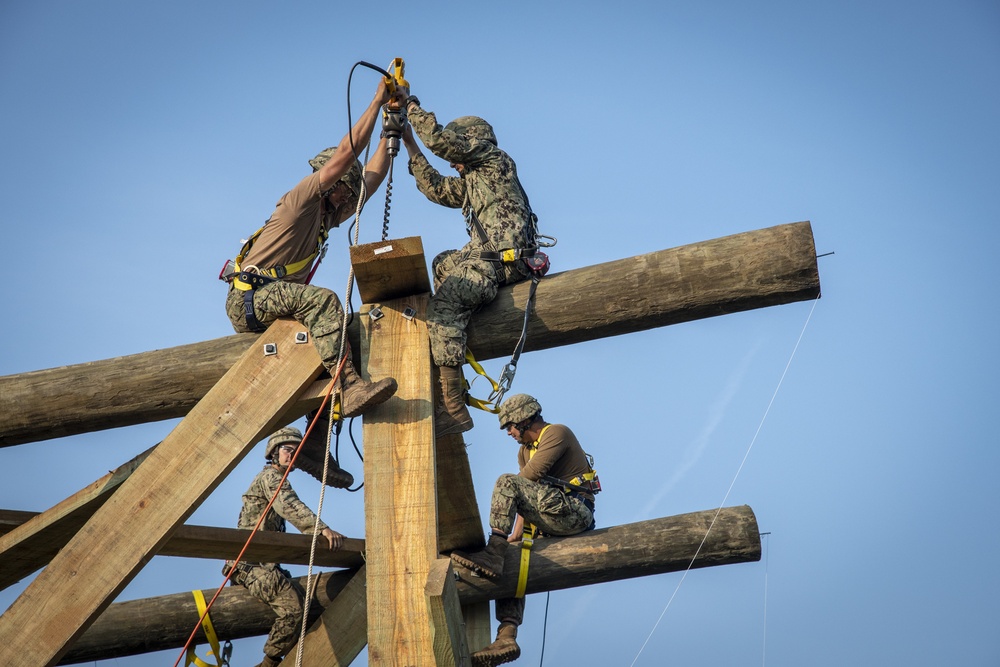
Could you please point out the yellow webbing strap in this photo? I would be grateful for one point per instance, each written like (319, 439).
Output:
(529, 541)
(522, 575)
(476, 402)
(213, 640)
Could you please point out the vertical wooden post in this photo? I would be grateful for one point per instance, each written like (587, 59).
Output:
(400, 487)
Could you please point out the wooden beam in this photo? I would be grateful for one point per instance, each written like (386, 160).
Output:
(136, 521)
(400, 490)
(341, 632)
(23, 558)
(448, 638)
(755, 269)
(124, 629)
(460, 525)
(33, 542)
(607, 554)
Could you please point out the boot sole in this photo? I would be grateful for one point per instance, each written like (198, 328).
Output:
(377, 398)
(494, 659)
(475, 567)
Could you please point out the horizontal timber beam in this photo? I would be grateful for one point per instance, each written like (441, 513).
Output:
(609, 554)
(742, 272)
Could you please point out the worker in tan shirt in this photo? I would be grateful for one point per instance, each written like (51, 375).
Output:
(553, 493)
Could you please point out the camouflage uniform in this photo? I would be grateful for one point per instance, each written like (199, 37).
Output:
(317, 308)
(488, 189)
(290, 235)
(269, 582)
(556, 453)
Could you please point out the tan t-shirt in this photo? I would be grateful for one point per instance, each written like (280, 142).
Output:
(291, 232)
(559, 455)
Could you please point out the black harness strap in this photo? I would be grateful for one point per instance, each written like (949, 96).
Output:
(255, 280)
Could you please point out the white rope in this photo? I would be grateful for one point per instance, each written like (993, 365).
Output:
(310, 581)
(731, 485)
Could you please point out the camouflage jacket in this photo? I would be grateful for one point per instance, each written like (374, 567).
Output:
(488, 188)
(286, 507)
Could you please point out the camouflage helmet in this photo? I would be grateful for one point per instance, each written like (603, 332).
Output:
(354, 176)
(281, 437)
(473, 127)
(517, 409)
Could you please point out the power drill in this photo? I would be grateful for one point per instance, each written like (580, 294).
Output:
(394, 120)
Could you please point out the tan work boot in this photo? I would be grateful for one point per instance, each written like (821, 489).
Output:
(504, 649)
(359, 395)
(452, 414)
(313, 452)
(486, 562)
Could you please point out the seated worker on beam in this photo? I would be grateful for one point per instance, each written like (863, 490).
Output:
(273, 269)
(498, 218)
(269, 582)
(554, 492)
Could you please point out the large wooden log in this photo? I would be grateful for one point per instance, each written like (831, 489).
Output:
(755, 269)
(610, 554)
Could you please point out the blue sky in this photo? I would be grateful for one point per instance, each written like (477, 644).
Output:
(141, 141)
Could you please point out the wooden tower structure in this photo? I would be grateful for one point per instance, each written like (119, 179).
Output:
(401, 599)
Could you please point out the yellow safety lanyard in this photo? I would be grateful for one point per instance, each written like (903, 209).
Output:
(276, 272)
(528, 542)
(479, 403)
(221, 658)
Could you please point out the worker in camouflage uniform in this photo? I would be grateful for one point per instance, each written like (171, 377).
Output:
(269, 582)
(547, 451)
(497, 217)
(274, 266)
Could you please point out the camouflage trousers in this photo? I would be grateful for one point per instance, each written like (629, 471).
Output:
(548, 508)
(269, 584)
(461, 287)
(317, 308)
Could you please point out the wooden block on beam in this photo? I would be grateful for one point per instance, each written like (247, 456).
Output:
(101, 559)
(390, 269)
(477, 624)
(400, 494)
(447, 626)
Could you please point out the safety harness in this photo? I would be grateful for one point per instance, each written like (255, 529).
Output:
(537, 263)
(249, 279)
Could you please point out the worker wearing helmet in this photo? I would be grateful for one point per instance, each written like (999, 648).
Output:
(497, 218)
(546, 452)
(269, 582)
(274, 266)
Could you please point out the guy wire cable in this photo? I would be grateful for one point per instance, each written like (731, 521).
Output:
(733, 483)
